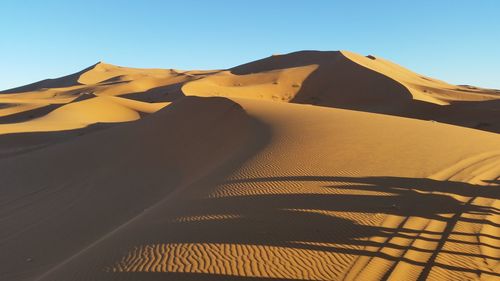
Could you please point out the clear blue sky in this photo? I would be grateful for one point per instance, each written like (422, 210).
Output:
(456, 40)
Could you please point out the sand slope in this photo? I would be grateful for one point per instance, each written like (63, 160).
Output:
(346, 80)
(282, 169)
(110, 175)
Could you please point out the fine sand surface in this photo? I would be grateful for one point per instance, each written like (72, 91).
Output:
(305, 166)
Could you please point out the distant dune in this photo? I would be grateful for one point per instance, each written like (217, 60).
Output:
(304, 166)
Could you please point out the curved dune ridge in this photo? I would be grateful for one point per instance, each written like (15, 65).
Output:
(304, 166)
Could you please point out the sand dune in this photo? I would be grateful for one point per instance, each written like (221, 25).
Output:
(82, 113)
(347, 80)
(303, 166)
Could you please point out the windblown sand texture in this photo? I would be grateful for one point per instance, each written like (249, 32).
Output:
(304, 166)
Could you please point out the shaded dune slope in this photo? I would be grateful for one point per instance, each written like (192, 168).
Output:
(302, 210)
(339, 79)
(346, 80)
(333, 81)
(305, 166)
(93, 185)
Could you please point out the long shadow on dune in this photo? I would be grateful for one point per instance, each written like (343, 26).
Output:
(29, 114)
(167, 93)
(393, 184)
(310, 221)
(406, 199)
(162, 276)
(20, 143)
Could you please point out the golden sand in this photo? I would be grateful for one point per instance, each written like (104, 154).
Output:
(305, 166)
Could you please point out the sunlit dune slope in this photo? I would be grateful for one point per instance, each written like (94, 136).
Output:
(329, 78)
(304, 166)
(323, 78)
(78, 114)
(324, 194)
(103, 79)
(346, 80)
(421, 87)
(339, 79)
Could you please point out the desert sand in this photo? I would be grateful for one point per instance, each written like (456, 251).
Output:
(304, 166)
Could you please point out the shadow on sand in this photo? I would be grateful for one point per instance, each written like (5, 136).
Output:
(308, 221)
(341, 83)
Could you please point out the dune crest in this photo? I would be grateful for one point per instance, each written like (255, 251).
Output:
(423, 88)
(340, 79)
(304, 166)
